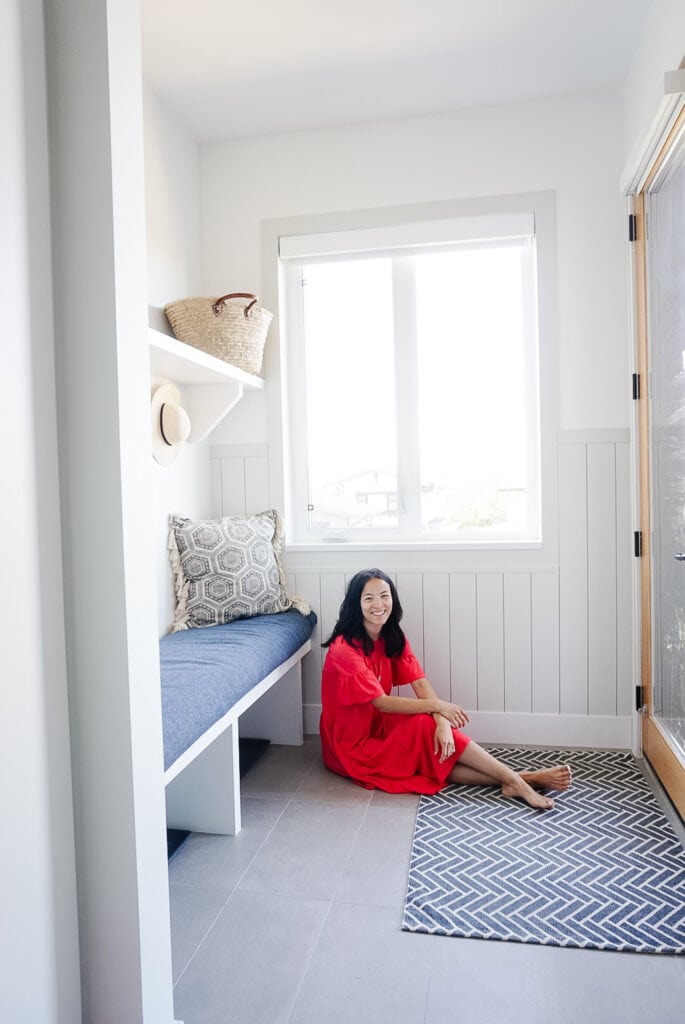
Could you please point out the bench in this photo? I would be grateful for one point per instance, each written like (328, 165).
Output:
(212, 678)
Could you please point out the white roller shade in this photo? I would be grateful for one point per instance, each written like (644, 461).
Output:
(420, 234)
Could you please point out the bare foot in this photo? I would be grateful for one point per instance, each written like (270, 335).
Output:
(517, 786)
(558, 777)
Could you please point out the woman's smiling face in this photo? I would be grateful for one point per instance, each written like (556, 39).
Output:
(376, 602)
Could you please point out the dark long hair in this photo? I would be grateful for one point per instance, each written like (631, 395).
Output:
(350, 624)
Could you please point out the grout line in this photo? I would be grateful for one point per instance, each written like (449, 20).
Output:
(210, 927)
(307, 965)
(237, 883)
(330, 907)
(428, 983)
(352, 846)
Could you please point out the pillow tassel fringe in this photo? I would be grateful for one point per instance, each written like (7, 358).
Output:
(180, 588)
(296, 602)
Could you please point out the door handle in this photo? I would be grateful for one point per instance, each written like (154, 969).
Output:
(680, 557)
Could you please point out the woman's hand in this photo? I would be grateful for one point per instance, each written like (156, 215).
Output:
(443, 741)
(455, 715)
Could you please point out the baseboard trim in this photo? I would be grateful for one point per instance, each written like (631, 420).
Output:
(608, 731)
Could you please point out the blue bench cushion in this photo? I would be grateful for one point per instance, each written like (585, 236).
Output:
(206, 671)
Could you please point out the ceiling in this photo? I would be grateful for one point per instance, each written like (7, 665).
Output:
(235, 68)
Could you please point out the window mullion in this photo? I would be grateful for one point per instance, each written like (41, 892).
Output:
(406, 395)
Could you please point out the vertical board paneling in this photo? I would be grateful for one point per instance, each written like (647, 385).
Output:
(573, 608)
(545, 643)
(490, 612)
(307, 585)
(517, 636)
(517, 640)
(624, 603)
(233, 486)
(464, 648)
(256, 484)
(410, 591)
(436, 631)
(332, 593)
(601, 505)
(215, 470)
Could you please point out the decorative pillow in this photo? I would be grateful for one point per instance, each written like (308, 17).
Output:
(228, 568)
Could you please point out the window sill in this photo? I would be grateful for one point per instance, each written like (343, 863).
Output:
(415, 545)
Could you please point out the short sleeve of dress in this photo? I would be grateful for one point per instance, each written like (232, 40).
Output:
(355, 682)
(406, 668)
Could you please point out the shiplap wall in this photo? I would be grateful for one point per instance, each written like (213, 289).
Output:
(536, 655)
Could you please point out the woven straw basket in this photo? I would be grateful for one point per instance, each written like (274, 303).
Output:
(224, 329)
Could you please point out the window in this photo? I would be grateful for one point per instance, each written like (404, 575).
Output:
(412, 398)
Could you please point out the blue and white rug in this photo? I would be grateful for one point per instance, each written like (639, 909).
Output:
(603, 870)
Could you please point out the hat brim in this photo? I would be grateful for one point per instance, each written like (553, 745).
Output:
(163, 451)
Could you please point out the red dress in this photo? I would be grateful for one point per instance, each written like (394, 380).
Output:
(378, 750)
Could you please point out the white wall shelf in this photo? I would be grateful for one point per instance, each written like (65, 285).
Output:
(210, 387)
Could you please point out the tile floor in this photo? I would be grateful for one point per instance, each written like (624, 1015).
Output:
(297, 920)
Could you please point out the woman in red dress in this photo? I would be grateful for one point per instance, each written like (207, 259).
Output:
(401, 744)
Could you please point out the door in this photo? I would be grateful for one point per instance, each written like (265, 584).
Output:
(660, 296)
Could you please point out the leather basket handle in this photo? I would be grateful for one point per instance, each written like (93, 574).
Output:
(218, 306)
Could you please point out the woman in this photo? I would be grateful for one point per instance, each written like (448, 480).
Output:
(401, 744)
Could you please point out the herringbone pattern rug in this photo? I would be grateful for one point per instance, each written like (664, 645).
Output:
(602, 870)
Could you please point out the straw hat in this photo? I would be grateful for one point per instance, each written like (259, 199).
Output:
(170, 423)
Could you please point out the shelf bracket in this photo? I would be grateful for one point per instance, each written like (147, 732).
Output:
(207, 404)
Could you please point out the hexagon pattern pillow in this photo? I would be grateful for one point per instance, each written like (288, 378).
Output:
(227, 568)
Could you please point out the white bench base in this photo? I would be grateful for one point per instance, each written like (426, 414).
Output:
(203, 784)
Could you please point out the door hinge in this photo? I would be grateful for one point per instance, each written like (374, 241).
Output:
(637, 543)
(639, 698)
(636, 386)
(632, 227)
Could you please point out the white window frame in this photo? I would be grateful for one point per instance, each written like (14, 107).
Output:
(319, 236)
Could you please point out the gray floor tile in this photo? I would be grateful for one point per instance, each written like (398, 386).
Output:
(261, 813)
(515, 983)
(193, 911)
(495, 981)
(365, 971)
(216, 862)
(395, 800)
(376, 872)
(279, 771)
(249, 967)
(306, 852)
(321, 785)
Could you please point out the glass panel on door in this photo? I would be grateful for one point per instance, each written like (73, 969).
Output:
(665, 219)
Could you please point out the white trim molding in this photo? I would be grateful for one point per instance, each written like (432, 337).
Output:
(602, 731)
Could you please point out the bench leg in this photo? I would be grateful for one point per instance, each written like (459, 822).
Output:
(277, 715)
(205, 797)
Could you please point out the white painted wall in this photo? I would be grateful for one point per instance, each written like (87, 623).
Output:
(661, 49)
(573, 146)
(39, 956)
(100, 316)
(174, 270)
(172, 210)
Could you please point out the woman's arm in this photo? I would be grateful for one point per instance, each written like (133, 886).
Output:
(424, 691)
(407, 705)
(426, 703)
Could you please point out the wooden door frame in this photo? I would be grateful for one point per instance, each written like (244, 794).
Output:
(655, 745)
